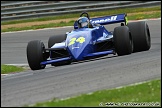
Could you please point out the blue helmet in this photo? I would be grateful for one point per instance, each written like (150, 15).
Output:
(83, 22)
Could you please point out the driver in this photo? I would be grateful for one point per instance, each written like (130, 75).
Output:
(83, 22)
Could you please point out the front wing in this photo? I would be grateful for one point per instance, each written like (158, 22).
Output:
(70, 58)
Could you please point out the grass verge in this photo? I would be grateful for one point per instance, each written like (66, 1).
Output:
(143, 94)
(5, 69)
(92, 14)
(133, 14)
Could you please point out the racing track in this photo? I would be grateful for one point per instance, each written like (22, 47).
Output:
(87, 76)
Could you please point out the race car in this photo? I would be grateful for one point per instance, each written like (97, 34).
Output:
(90, 39)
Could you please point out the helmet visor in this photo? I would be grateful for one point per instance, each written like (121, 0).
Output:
(84, 24)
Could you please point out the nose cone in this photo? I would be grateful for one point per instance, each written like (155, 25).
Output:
(78, 43)
(77, 49)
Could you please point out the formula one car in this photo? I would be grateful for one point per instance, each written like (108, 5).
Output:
(90, 39)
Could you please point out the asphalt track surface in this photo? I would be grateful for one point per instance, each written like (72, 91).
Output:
(80, 77)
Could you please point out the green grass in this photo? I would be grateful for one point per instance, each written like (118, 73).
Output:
(5, 69)
(70, 23)
(92, 14)
(60, 24)
(145, 16)
(148, 92)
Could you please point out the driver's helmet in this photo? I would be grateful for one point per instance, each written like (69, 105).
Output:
(83, 22)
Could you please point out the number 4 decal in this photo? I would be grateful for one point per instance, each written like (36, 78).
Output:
(73, 40)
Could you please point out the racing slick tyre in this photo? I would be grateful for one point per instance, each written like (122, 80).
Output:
(141, 36)
(122, 40)
(57, 39)
(36, 54)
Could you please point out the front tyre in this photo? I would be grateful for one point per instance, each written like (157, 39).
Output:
(36, 54)
(56, 39)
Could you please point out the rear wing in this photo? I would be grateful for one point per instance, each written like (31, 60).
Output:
(110, 19)
(118, 18)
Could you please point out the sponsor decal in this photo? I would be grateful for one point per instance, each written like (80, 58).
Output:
(113, 18)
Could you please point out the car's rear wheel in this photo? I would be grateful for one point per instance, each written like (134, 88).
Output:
(36, 54)
(122, 40)
(141, 35)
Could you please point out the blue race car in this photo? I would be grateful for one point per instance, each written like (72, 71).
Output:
(90, 39)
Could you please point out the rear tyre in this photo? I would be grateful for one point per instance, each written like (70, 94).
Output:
(122, 40)
(141, 36)
(36, 54)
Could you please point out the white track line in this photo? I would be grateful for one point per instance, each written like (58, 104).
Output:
(128, 85)
(18, 64)
(36, 29)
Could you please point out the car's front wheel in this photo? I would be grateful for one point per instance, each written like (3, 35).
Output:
(58, 39)
(36, 54)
